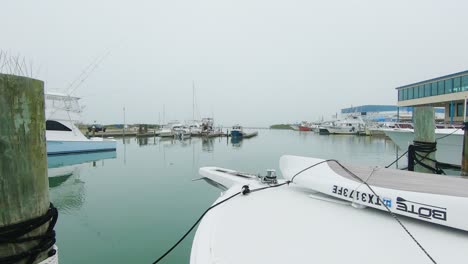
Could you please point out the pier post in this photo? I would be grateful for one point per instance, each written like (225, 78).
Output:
(424, 131)
(24, 184)
(464, 169)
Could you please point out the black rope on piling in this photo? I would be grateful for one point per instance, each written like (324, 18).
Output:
(14, 234)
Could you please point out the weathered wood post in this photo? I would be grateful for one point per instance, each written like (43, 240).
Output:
(24, 186)
(140, 129)
(424, 132)
(464, 169)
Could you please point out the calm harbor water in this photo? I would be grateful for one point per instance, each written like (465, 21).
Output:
(130, 206)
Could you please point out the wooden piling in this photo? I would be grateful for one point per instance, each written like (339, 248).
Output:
(464, 169)
(424, 131)
(24, 186)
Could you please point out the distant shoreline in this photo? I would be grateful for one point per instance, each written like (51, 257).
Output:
(281, 126)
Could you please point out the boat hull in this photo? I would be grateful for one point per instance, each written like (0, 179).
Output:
(311, 227)
(66, 147)
(323, 131)
(236, 133)
(449, 148)
(342, 130)
(303, 128)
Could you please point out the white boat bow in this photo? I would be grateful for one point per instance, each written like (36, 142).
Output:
(305, 223)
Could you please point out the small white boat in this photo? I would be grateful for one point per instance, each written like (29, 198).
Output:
(62, 135)
(179, 131)
(320, 216)
(449, 142)
(183, 133)
(166, 132)
(195, 128)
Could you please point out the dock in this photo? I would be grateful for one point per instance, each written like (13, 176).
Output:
(117, 133)
(250, 135)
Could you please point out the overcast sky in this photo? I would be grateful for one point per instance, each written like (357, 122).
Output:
(254, 62)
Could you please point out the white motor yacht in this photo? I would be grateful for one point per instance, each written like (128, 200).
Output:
(348, 126)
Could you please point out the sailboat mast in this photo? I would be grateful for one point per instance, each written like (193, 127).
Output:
(193, 100)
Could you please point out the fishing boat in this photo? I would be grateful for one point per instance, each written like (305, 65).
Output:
(62, 135)
(449, 142)
(323, 211)
(304, 126)
(207, 125)
(295, 127)
(237, 131)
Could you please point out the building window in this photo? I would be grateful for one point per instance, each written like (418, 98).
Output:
(405, 94)
(410, 93)
(400, 95)
(448, 86)
(465, 83)
(434, 88)
(457, 85)
(441, 87)
(421, 91)
(416, 92)
(427, 90)
(459, 109)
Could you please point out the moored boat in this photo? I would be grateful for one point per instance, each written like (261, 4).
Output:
(237, 131)
(62, 135)
(318, 209)
(195, 128)
(183, 133)
(166, 132)
(348, 126)
(250, 134)
(449, 142)
(295, 127)
(304, 126)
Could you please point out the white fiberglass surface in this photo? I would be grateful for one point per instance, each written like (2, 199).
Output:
(286, 225)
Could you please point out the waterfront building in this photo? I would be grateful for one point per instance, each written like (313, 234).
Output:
(449, 92)
(385, 113)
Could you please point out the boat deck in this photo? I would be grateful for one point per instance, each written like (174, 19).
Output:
(406, 180)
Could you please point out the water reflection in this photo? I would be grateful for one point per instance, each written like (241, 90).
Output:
(236, 142)
(145, 141)
(66, 189)
(57, 161)
(208, 144)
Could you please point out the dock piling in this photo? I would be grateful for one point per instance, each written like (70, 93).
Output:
(464, 169)
(424, 133)
(24, 183)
